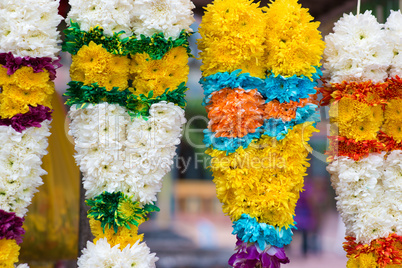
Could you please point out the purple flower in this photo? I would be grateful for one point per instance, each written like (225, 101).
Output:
(11, 226)
(38, 64)
(249, 255)
(33, 118)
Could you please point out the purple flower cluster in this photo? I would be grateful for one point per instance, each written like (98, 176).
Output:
(249, 255)
(33, 118)
(11, 226)
(38, 64)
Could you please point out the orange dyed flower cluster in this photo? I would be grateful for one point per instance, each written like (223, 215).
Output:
(287, 110)
(342, 146)
(388, 251)
(237, 112)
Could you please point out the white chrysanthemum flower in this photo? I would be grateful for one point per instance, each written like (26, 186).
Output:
(167, 16)
(393, 29)
(29, 28)
(119, 153)
(162, 129)
(102, 255)
(366, 194)
(102, 125)
(20, 166)
(112, 15)
(357, 50)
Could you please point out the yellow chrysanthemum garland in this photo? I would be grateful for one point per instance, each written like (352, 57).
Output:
(259, 175)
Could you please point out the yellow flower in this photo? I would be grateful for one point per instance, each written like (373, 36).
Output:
(9, 251)
(112, 70)
(393, 128)
(177, 56)
(119, 64)
(77, 73)
(158, 75)
(233, 34)
(5, 79)
(293, 43)
(355, 120)
(26, 78)
(92, 58)
(123, 237)
(32, 96)
(378, 115)
(114, 80)
(393, 110)
(10, 107)
(363, 261)
(263, 180)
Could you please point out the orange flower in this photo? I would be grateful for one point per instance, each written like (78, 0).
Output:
(387, 250)
(287, 110)
(235, 112)
(366, 92)
(342, 146)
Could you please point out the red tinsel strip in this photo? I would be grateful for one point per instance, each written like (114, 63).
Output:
(366, 92)
(387, 250)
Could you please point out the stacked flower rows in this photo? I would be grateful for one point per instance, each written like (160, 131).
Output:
(129, 69)
(363, 69)
(260, 67)
(28, 47)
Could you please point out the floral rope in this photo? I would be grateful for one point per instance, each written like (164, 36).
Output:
(28, 63)
(261, 103)
(365, 138)
(129, 72)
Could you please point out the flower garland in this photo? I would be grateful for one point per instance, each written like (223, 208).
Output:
(363, 91)
(28, 62)
(260, 67)
(128, 75)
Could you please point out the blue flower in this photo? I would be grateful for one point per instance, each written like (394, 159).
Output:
(248, 229)
(279, 129)
(234, 79)
(293, 88)
(230, 145)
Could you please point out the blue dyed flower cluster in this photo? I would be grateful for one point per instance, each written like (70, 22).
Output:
(248, 229)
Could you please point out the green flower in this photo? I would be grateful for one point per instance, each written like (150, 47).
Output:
(117, 209)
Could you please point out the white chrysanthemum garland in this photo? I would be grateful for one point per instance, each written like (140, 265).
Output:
(365, 146)
(145, 17)
(28, 62)
(126, 120)
(20, 166)
(33, 32)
